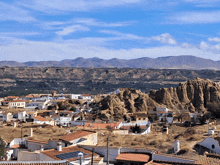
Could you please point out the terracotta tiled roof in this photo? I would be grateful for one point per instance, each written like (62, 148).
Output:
(101, 125)
(130, 157)
(40, 118)
(51, 153)
(75, 135)
(15, 146)
(161, 112)
(86, 95)
(13, 97)
(55, 115)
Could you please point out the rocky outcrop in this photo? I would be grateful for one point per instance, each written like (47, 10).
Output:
(192, 96)
(127, 101)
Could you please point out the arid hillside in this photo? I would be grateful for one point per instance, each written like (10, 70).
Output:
(192, 96)
(24, 80)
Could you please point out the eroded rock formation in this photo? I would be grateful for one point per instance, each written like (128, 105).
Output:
(192, 96)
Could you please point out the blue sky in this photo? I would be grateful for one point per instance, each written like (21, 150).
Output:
(42, 30)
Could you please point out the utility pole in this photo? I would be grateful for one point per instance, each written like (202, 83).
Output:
(107, 151)
(92, 156)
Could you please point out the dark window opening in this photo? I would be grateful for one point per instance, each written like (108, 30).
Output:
(213, 146)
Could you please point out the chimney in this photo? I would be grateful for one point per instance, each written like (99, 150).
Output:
(14, 125)
(31, 132)
(41, 148)
(176, 146)
(59, 146)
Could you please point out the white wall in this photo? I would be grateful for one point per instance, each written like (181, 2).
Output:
(113, 152)
(41, 122)
(33, 156)
(162, 109)
(33, 146)
(208, 142)
(22, 115)
(17, 141)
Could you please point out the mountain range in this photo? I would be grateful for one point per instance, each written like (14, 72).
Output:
(171, 62)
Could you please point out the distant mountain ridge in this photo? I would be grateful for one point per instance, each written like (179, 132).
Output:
(172, 62)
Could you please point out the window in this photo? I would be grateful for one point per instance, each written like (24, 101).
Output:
(213, 146)
(139, 118)
(143, 118)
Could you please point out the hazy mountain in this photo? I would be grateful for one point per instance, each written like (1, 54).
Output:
(173, 62)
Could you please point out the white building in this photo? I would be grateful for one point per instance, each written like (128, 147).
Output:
(163, 109)
(21, 115)
(40, 104)
(75, 96)
(212, 144)
(40, 120)
(15, 103)
(7, 117)
(85, 96)
(61, 120)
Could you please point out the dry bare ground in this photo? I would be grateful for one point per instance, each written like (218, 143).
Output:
(157, 140)
(8, 133)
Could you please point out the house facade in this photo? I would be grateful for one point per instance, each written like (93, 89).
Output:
(80, 137)
(7, 117)
(40, 120)
(15, 103)
(213, 144)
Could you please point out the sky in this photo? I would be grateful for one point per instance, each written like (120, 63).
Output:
(54, 30)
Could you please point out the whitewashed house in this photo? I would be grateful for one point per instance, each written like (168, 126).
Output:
(75, 96)
(40, 104)
(61, 120)
(169, 117)
(7, 117)
(15, 103)
(40, 120)
(80, 137)
(212, 144)
(21, 115)
(85, 96)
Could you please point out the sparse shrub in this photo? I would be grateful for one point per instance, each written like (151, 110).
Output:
(153, 142)
(134, 143)
(109, 128)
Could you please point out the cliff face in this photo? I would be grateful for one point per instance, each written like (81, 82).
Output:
(192, 96)
(127, 101)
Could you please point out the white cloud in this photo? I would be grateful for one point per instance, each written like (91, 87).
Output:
(216, 39)
(71, 29)
(13, 13)
(186, 45)
(210, 48)
(195, 18)
(165, 38)
(73, 5)
(23, 50)
(203, 3)
(18, 34)
(124, 36)
(94, 22)
(83, 22)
